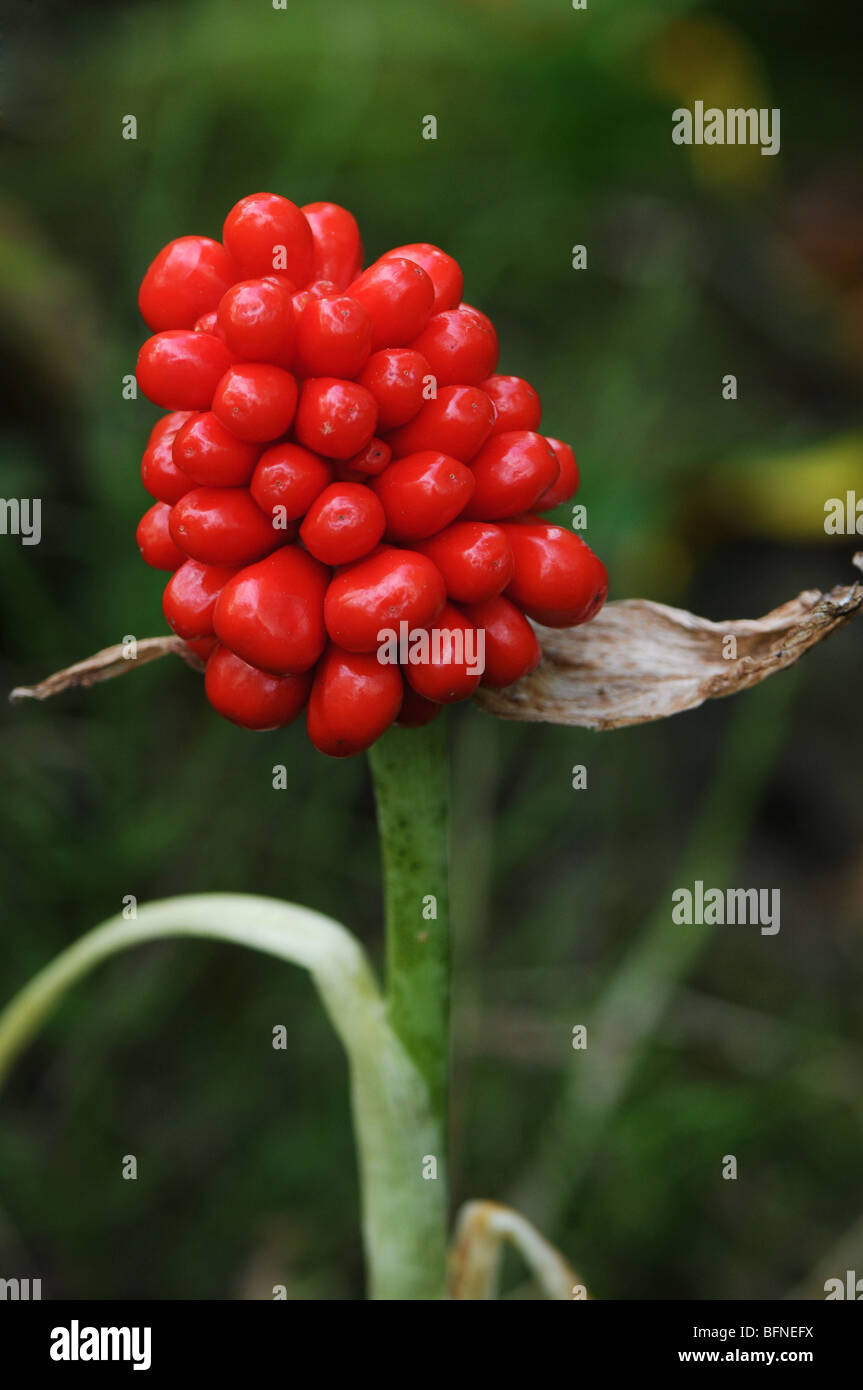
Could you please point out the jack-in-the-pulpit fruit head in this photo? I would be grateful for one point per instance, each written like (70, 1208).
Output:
(345, 491)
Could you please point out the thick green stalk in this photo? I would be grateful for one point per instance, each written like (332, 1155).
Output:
(411, 780)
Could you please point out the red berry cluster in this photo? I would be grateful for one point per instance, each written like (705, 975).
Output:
(340, 459)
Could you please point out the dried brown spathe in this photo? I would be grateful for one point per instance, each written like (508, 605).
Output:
(639, 661)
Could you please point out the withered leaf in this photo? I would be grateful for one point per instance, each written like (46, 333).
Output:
(104, 665)
(639, 661)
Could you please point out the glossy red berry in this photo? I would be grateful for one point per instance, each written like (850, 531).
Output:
(460, 346)
(190, 597)
(354, 700)
(474, 557)
(209, 323)
(517, 404)
(318, 289)
(187, 279)
(371, 460)
(289, 477)
(398, 296)
(222, 526)
(335, 418)
(257, 320)
(557, 579)
(159, 473)
(511, 472)
(344, 523)
(202, 647)
(256, 401)
(511, 646)
(211, 455)
(423, 493)
(334, 337)
(457, 422)
(566, 485)
(180, 369)
(444, 272)
(451, 667)
(378, 593)
(338, 250)
(272, 613)
(252, 698)
(397, 378)
(266, 234)
(154, 539)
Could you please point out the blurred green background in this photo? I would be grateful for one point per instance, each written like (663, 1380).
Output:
(554, 129)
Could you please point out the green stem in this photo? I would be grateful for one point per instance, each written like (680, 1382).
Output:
(411, 779)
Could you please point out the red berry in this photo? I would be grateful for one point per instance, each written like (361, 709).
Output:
(266, 233)
(187, 279)
(272, 613)
(338, 250)
(460, 346)
(257, 320)
(396, 378)
(458, 422)
(180, 369)
(335, 418)
(517, 404)
(251, 698)
(511, 471)
(201, 646)
(567, 482)
(222, 526)
(190, 597)
(416, 710)
(386, 588)
(344, 523)
(444, 272)
(210, 455)
(291, 477)
(209, 323)
(423, 493)
(334, 337)
(318, 289)
(399, 297)
(354, 700)
(511, 646)
(474, 557)
(371, 460)
(256, 401)
(154, 539)
(159, 474)
(557, 578)
(450, 670)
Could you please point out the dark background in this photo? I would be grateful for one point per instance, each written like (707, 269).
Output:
(554, 129)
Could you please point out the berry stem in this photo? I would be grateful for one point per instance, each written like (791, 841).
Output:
(411, 780)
